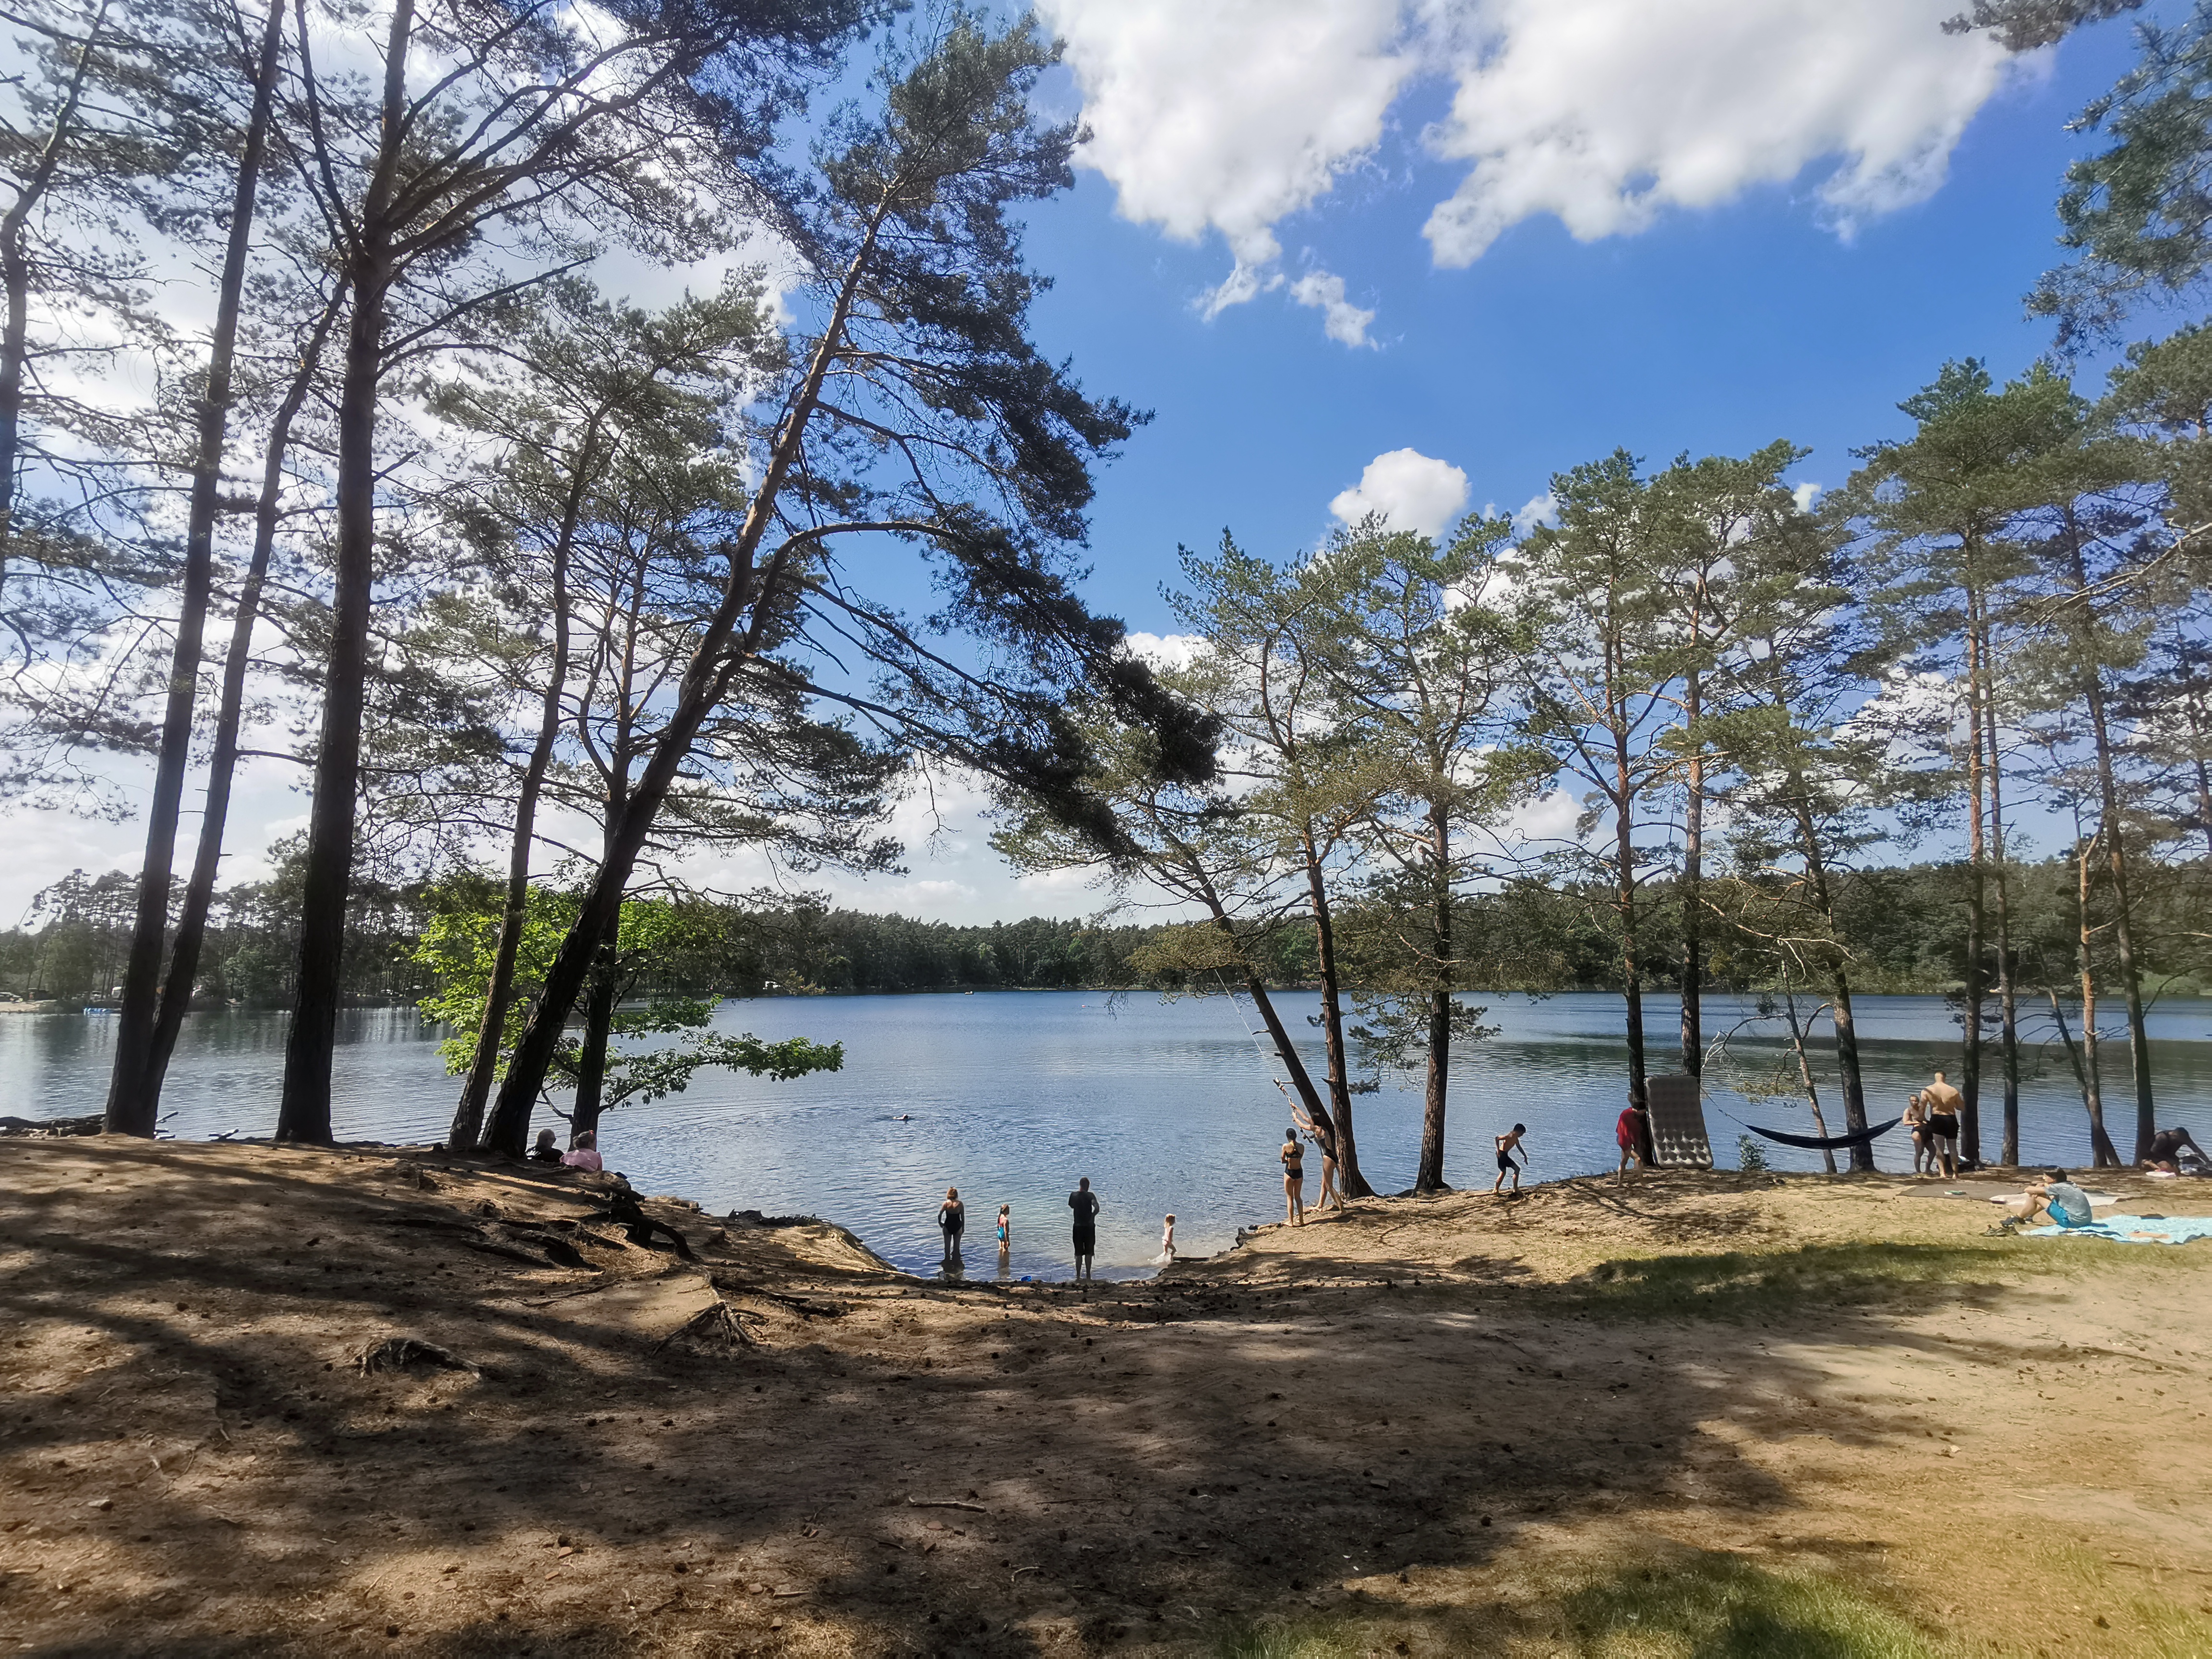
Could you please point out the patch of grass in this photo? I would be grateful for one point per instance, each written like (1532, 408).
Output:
(1306, 1640)
(1709, 1605)
(1743, 1284)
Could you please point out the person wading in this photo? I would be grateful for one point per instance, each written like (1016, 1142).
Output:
(1084, 1203)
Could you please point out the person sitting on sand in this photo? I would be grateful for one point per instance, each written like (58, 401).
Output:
(1084, 1203)
(952, 1220)
(2067, 1204)
(584, 1154)
(2166, 1148)
(1506, 1146)
(1629, 1131)
(1916, 1125)
(1293, 1157)
(1943, 1103)
(546, 1151)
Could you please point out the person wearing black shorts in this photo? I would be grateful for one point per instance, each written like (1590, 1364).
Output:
(1507, 1144)
(1084, 1203)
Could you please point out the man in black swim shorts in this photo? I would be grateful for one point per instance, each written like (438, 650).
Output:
(1084, 1203)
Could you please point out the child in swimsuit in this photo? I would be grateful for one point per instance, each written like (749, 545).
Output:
(1506, 1144)
(1294, 1178)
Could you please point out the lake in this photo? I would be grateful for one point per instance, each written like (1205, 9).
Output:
(1010, 1095)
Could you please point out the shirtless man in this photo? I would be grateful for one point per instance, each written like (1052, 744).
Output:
(1943, 1103)
(1506, 1146)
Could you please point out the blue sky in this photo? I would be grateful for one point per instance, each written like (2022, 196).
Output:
(1288, 146)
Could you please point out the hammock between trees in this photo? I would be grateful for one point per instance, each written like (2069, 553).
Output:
(1828, 1143)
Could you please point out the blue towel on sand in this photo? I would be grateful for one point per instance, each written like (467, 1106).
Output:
(2134, 1230)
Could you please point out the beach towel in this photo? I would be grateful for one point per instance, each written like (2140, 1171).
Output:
(2134, 1230)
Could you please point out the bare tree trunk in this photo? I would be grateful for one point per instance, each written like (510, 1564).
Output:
(2113, 831)
(16, 279)
(1429, 1176)
(1839, 979)
(2008, 1004)
(304, 1114)
(222, 758)
(592, 1063)
(1624, 902)
(1970, 1058)
(1805, 1073)
(133, 1085)
(1693, 884)
(721, 654)
(499, 995)
(2091, 1065)
(1332, 1027)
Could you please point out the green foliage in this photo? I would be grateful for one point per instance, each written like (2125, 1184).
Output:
(458, 946)
(1749, 1155)
(2139, 212)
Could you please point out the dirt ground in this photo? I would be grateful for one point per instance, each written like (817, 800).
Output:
(1720, 1414)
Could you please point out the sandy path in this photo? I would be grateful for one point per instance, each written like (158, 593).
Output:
(1421, 1423)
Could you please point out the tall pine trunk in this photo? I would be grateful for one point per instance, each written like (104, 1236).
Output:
(1430, 1176)
(134, 1084)
(721, 652)
(1693, 887)
(1332, 1024)
(304, 1114)
(2116, 853)
(1970, 1058)
(1841, 1014)
(2093, 1082)
(591, 1062)
(2007, 1004)
(499, 995)
(222, 757)
(1624, 902)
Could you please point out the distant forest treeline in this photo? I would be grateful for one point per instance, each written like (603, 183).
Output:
(1906, 926)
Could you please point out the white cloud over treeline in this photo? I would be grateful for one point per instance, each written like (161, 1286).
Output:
(1231, 117)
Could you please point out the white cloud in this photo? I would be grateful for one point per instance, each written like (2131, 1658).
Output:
(1605, 113)
(1413, 491)
(1537, 509)
(1804, 494)
(1166, 650)
(1231, 117)
(1324, 292)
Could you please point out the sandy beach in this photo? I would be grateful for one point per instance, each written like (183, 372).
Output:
(1711, 1413)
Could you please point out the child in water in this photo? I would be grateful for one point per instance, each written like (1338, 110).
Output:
(1166, 1244)
(1005, 1228)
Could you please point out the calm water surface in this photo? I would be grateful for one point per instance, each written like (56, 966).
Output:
(1010, 1095)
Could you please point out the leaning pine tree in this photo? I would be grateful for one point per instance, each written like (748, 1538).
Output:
(916, 412)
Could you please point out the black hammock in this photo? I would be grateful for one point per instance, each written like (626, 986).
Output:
(1830, 1143)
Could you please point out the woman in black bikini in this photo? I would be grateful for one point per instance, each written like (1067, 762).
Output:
(1294, 1179)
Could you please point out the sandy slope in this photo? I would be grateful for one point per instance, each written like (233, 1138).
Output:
(1423, 1424)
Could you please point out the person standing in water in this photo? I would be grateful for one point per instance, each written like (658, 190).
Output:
(1166, 1257)
(1084, 1203)
(952, 1220)
(1506, 1144)
(1006, 1231)
(1293, 1157)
